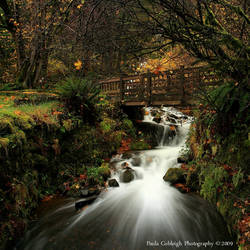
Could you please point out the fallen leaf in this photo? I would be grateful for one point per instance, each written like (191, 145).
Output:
(17, 112)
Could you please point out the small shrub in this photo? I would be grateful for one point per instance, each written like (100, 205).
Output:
(128, 126)
(94, 176)
(80, 97)
(107, 125)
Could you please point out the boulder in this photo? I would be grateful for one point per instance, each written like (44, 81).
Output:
(127, 175)
(94, 191)
(172, 120)
(182, 160)
(127, 155)
(174, 175)
(84, 193)
(173, 116)
(80, 204)
(151, 131)
(157, 119)
(136, 161)
(113, 183)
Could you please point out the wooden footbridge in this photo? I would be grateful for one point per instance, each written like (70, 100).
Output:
(174, 87)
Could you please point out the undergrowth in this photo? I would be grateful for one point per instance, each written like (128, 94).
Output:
(219, 143)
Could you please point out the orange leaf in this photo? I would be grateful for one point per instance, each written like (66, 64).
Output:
(47, 198)
(179, 185)
(78, 65)
(172, 128)
(156, 72)
(82, 176)
(17, 112)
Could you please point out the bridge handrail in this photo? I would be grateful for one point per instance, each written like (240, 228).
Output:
(168, 87)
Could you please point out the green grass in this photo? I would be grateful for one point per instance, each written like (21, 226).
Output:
(27, 114)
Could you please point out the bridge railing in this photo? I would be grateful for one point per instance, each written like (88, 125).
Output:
(172, 87)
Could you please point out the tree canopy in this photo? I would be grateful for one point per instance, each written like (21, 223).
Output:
(39, 38)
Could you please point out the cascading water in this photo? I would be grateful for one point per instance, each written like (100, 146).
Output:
(142, 214)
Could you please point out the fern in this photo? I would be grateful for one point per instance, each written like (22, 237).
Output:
(238, 178)
(80, 97)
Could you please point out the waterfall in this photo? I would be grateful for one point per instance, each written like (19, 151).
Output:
(141, 214)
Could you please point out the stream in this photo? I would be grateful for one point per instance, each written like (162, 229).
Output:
(146, 213)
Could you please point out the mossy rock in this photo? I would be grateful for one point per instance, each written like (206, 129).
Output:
(6, 125)
(139, 145)
(174, 175)
(24, 122)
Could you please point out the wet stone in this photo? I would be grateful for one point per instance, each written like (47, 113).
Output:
(113, 183)
(172, 120)
(157, 119)
(84, 193)
(127, 155)
(94, 191)
(127, 175)
(182, 160)
(136, 161)
(80, 204)
(174, 116)
(174, 175)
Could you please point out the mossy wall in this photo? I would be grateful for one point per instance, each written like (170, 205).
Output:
(219, 170)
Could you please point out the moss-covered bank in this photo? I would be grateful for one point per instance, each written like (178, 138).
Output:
(45, 150)
(218, 169)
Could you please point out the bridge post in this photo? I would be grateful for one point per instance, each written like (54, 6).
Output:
(182, 85)
(121, 90)
(149, 81)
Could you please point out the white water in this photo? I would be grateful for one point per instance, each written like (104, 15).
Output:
(145, 211)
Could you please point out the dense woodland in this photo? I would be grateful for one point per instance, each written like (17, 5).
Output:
(52, 54)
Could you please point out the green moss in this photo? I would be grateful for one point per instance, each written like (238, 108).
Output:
(104, 171)
(220, 165)
(68, 124)
(128, 126)
(174, 175)
(25, 122)
(4, 142)
(139, 145)
(6, 125)
(39, 160)
(93, 176)
(107, 125)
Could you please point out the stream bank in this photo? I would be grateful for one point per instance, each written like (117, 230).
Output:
(44, 150)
